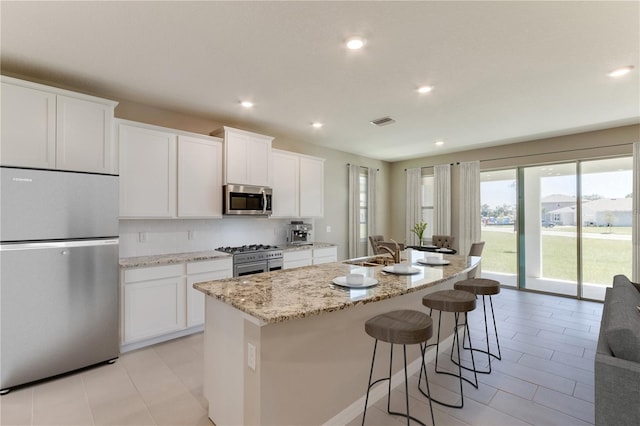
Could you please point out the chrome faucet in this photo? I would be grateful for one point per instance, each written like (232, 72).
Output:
(395, 254)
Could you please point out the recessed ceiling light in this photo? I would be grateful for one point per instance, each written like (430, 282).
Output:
(439, 143)
(621, 71)
(316, 125)
(247, 104)
(425, 89)
(355, 43)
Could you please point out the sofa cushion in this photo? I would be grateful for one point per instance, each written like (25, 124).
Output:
(622, 327)
(630, 289)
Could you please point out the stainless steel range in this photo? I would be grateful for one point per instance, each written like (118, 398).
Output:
(254, 259)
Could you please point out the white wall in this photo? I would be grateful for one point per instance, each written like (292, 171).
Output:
(172, 235)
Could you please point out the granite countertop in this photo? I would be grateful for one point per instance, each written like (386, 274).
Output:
(298, 247)
(170, 258)
(278, 296)
(195, 256)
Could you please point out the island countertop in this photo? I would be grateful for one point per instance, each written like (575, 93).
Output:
(280, 296)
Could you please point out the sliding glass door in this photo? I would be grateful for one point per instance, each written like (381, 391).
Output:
(498, 199)
(549, 242)
(561, 228)
(606, 223)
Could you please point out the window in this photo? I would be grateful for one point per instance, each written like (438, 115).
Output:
(427, 204)
(364, 205)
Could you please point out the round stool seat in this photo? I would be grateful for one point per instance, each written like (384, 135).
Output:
(450, 301)
(481, 286)
(403, 327)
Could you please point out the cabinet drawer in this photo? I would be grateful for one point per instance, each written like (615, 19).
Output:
(325, 252)
(153, 273)
(210, 266)
(297, 255)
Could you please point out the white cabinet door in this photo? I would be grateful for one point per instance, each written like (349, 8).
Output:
(259, 161)
(296, 259)
(28, 127)
(311, 187)
(247, 157)
(147, 172)
(199, 177)
(325, 255)
(203, 271)
(285, 184)
(84, 141)
(236, 151)
(154, 302)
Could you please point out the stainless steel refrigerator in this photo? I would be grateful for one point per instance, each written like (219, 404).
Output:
(59, 297)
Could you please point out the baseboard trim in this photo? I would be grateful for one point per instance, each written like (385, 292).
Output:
(159, 339)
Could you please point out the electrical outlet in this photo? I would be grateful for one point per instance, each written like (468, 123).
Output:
(328, 228)
(142, 237)
(251, 356)
(191, 235)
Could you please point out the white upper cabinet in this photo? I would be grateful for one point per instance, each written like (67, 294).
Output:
(247, 157)
(199, 177)
(298, 185)
(311, 187)
(50, 128)
(285, 182)
(147, 172)
(165, 173)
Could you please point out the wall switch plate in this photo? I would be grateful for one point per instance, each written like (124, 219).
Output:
(142, 237)
(251, 356)
(328, 228)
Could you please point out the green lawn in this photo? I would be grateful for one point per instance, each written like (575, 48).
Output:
(602, 258)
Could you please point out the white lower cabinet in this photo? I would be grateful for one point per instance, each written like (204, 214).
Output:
(296, 259)
(159, 303)
(198, 272)
(325, 255)
(154, 301)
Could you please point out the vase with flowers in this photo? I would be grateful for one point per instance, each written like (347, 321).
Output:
(419, 229)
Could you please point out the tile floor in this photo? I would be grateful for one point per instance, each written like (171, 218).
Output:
(545, 378)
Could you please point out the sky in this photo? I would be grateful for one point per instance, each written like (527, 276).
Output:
(616, 184)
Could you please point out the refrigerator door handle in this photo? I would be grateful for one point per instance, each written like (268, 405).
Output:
(58, 244)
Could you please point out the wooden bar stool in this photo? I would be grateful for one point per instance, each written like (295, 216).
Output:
(484, 287)
(402, 327)
(457, 302)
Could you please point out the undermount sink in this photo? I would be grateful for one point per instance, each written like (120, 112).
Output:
(371, 261)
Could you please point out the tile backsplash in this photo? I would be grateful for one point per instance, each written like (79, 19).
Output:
(144, 237)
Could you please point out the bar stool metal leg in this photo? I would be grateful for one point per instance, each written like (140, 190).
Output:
(484, 287)
(402, 327)
(486, 330)
(456, 343)
(406, 385)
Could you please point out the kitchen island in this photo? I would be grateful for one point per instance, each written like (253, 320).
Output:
(289, 348)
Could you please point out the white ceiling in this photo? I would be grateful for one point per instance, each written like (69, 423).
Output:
(502, 71)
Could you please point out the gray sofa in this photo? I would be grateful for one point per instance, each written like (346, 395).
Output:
(617, 362)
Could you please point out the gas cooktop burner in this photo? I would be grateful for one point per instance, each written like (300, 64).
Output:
(247, 249)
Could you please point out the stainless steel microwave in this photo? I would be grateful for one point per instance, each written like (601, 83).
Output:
(247, 200)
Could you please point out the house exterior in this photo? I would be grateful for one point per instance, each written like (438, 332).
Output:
(601, 212)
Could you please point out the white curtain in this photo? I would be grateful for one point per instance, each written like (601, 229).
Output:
(354, 209)
(371, 199)
(441, 200)
(469, 231)
(414, 204)
(635, 238)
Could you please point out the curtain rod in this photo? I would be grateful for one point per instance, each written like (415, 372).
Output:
(541, 153)
(349, 164)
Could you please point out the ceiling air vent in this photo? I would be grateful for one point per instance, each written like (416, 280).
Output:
(382, 121)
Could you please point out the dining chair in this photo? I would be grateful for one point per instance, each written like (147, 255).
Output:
(443, 241)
